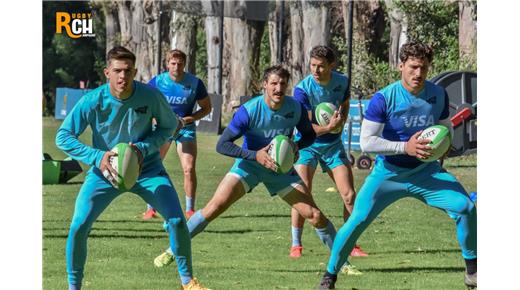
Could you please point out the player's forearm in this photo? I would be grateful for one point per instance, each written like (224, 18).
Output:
(199, 114)
(320, 130)
(371, 142)
(70, 144)
(226, 146)
(154, 141)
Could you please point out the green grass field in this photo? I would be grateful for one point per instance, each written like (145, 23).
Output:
(411, 246)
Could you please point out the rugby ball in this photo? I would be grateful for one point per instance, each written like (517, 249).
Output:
(440, 141)
(282, 152)
(323, 113)
(126, 164)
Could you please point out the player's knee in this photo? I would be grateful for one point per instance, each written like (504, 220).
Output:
(348, 197)
(188, 170)
(316, 218)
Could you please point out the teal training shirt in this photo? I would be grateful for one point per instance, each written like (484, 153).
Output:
(114, 121)
(311, 94)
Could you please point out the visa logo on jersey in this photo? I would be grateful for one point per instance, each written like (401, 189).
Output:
(418, 121)
(177, 100)
(273, 132)
(76, 25)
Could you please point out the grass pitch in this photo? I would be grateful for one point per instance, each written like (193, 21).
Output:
(411, 246)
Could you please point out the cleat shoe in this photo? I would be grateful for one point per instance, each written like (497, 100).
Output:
(296, 252)
(358, 252)
(470, 280)
(163, 259)
(189, 213)
(194, 285)
(149, 214)
(327, 282)
(351, 270)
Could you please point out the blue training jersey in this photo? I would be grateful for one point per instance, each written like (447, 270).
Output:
(181, 95)
(311, 94)
(403, 114)
(259, 124)
(114, 121)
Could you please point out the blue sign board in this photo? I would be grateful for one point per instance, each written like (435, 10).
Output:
(66, 98)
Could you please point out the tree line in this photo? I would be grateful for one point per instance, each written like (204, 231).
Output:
(250, 45)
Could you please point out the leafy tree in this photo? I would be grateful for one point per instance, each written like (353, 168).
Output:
(436, 23)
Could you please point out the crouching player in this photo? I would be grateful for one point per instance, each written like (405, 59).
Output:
(394, 119)
(121, 111)
(259, 121)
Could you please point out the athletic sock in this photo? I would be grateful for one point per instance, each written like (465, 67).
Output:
(74, 286)
(471, 266)
(296, 236)
(327, 234)
(148, 207)
(185, 279)
(190, 203)
(197, 223)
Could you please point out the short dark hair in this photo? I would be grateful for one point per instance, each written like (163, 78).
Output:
(416, 49)
(278, 70)
(176, 53)
(120, 52)
(325, 52)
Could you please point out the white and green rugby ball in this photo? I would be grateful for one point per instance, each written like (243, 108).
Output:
(440, 141)
(282, 152)
(126, 164)
(323, 113)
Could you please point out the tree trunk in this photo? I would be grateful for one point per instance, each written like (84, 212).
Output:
(183, 33)
(293, 48)
(137, 20)
(467, 29)
(242, 51)
(369, 17)
(111, 24)
(398, 28)
(213, 39)
(316, 28)
(273, 27)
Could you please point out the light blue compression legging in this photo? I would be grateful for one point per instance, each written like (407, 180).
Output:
(154, 187)
(386, 184)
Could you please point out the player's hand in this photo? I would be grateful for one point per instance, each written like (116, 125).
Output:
(418, 148)
(335, 121)
(139, 155)
(188, 119)
(180, 125)
(106, 168)
(262, 157)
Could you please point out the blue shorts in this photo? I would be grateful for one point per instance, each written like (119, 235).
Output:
(186, 134)
(251, 173)
(329, 155)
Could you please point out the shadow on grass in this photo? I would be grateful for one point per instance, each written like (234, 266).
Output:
(235, 231)
(154, 234)
(107, 221)
(119, 236)
(461, 166)
(415, 269)
(257, 216)
(431, 251)
(158, 230)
